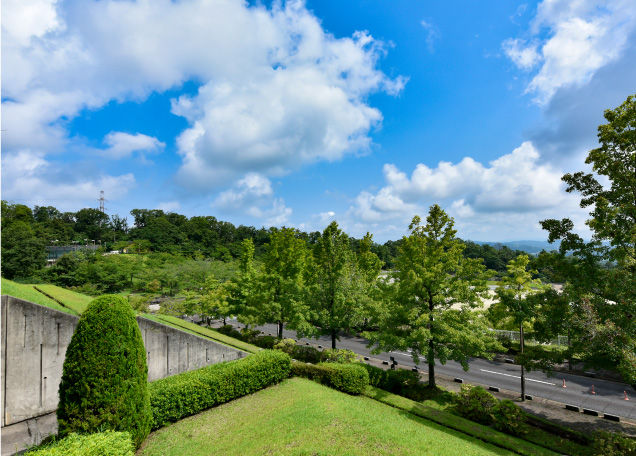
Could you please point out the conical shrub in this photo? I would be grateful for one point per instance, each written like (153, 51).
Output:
(105, 376)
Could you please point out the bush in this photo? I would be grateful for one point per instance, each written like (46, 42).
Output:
(306, 354)
(286, 346)
(341, 356)
(613, 444)
(105, 378)
(185, 394)
(509, 418)
(228, 330)
(348, 378)
(394, 381)
(476, 404)
(106, 443)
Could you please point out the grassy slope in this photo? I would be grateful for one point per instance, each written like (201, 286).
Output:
(455, 422)
(193, 328)
(28, 293)
(75, 301)
(299, 416)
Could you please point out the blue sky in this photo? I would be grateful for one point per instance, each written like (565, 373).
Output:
(299, 113)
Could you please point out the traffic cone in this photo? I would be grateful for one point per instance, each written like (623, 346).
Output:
(625, 393)
(564, 384)
(593, 392)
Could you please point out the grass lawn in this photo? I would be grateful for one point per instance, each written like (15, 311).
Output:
(300, 417)
(75, 301)
(28, 293)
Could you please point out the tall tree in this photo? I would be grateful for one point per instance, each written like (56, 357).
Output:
(513, 292)
(281, 282)
(603, 272)
(430, 307)
(334, 286)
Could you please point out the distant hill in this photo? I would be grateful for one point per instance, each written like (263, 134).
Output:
(532, 247)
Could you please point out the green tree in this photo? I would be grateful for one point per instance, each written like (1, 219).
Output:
(242, 295)
(281, 284)
(333, 286)
(513, 292)
(430, 307)
(602, 274)
(105, 377)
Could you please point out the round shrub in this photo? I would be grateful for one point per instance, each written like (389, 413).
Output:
(105, 376)
(476, 404)
(509, 418)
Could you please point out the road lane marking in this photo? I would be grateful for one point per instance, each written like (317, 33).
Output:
(516, 376)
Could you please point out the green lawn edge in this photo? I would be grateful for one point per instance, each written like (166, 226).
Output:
(457, 423)
(77, 302)
(197, 330)
(28, 293)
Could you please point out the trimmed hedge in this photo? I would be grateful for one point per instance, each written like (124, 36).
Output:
(105, 377)
(107, 443)
(185, 394)
(393, 381)
(349, 378)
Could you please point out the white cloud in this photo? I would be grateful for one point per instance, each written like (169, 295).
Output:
(493, 198)
(524, 56)
(253, 195)
(432, 34)
(169, 206)
(122, 145)
(27, 176)
(277, 91)
(573, 40)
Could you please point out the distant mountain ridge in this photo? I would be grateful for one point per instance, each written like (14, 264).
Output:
(533, 247)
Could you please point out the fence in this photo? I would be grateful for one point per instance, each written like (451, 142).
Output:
(561, 341)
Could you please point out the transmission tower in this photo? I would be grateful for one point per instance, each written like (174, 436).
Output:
(102, 201)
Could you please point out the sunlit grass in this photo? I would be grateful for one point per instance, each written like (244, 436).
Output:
(302, 417)
(28, 293)
(75, 301)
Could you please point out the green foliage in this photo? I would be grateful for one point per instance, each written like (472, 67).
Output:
(601, 278)
(613, 444)
(185, 394)
(306, 354)
(341, 356)
(509, 418)
(475, 404)
(286, 346)
(348, 378)
(394, 381)
(336, 286)
(429, 306)
(105, 377)
(107, 443)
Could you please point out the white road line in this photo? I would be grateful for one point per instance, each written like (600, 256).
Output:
(515, 376)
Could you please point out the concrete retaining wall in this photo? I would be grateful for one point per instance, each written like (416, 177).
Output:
(34, 342)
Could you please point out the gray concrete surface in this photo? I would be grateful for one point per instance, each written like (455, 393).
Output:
(34, 343)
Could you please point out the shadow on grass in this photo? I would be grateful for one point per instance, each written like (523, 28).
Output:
(456, 423)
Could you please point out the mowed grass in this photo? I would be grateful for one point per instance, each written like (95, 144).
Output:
(28, 293)
(300, 417)
(75, 301)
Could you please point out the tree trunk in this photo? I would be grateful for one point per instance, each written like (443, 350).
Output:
(431, 347)
(333, 338)
(280, 329)
(570, 357)
(523, 379)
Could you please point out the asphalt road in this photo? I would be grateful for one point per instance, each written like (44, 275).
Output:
(608, 397)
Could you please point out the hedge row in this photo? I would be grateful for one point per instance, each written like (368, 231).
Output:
(393, 381)
(108, 443)
(349, 378)
(176, 397)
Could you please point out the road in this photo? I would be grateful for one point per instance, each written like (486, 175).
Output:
(609, 396)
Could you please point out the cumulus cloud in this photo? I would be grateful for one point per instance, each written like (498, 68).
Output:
(253, 195)
(29, 177)
(518, 185)
(276, 91)
(571, 41)
(122, 145)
